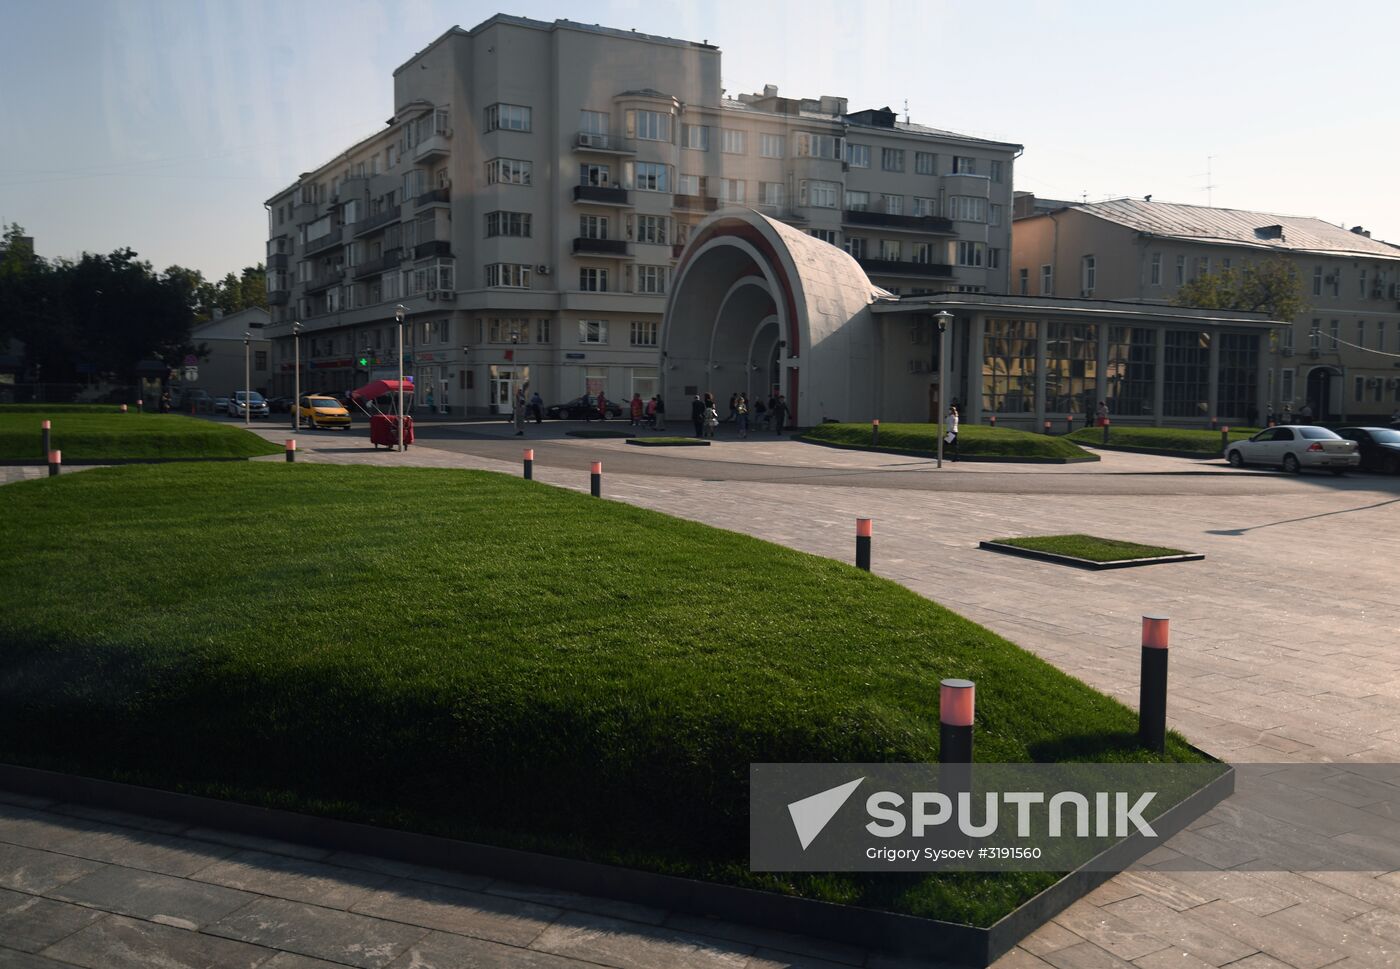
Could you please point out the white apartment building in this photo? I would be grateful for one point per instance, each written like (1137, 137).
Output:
(1341, 356)
(531, 196)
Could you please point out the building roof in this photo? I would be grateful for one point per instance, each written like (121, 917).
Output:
(1081, 307)
(1237, 227)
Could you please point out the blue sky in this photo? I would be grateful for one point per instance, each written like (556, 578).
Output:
(164, 125)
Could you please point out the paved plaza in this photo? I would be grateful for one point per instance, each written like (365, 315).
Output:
(1281, 652)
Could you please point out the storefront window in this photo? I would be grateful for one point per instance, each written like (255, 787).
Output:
(1132, 371)
(1237, 385)
(1186, 384)
(1071, 368)
(645, 381)
(1008, 367)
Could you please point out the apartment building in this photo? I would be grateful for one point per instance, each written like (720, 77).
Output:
(531, 196)
(1341, 357)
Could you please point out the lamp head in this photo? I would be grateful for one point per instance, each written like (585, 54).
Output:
(944, 318)
(399, 313)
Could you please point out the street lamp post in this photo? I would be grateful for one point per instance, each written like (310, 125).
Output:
(944, 318)
(247, 377)
(398, 316)
(296, 376)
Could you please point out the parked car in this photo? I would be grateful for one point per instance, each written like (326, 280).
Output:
(581, 408)
(200, 399)
(1379, 447)
(220, 405)
(257, 407)
(1295, 447)
(279, 405)
(320, 411)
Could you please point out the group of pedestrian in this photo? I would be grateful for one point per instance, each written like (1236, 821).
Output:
(651, 412)
(704, 414)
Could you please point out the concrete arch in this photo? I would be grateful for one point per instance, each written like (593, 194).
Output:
(742, 273)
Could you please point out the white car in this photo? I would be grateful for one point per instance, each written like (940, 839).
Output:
(1295, 447)
(257, 407)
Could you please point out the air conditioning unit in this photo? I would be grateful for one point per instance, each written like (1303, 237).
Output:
(1373, 382)
(542, 270)
(585, 140)
(446, 295)
(432, 294)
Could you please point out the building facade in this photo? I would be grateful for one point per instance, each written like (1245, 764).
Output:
(1340, 357)
(221, 364)
(530, 199)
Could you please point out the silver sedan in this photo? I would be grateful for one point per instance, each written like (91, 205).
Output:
(1294, 448)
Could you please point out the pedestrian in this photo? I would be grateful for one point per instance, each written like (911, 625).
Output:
(733, 415)
(537, 405)
(780, 410)
(760, 414)
(1269, 415)
(636, 409)
(651, 413)
(711, 420)
(697, 415)
(602, 406)
(951, 437)
(660, 413)
(1101, 413)
(430, 400)
(520, 410)
(165, 402)
(741, 415)
(1307, 413)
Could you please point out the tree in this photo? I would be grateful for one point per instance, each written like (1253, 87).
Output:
(1272, 286)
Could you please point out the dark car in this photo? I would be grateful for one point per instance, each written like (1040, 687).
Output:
(279, 405)
(1379, 446)
(580, 409)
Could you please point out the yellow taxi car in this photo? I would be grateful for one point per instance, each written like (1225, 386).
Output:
(318, 411)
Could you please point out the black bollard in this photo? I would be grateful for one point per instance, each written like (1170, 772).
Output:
(1152, 695)
(529, 464)
(956, 705)
(864, 529)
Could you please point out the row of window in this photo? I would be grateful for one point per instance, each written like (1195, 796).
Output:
(645, 280)
(965, 253)
(641, 333)
(1335, 340)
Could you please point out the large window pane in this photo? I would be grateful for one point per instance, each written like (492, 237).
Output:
(1186, 382)
(1008, 367)
(1132, 369)
(1071, 368)
(1237, 386)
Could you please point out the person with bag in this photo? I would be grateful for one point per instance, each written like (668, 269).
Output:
(711, 420)
(951, 438)
(697, 415)
(741, 415)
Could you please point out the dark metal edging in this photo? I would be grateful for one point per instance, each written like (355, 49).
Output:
(968, 458)
(1056, 557)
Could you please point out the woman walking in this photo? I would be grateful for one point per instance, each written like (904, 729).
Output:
(741, 415)
(951, 438)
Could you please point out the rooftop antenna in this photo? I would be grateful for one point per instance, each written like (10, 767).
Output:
(906, 110)
(1210, 185)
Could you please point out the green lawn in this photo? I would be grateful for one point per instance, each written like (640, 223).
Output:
(1090, 547)
(474, 655)
(53, 410)
(87, 436)
(1205, 442)
(974, 440)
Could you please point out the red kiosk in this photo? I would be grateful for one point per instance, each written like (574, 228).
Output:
(384, 422)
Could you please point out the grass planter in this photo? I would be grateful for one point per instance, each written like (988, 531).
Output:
(85, 437)
(1169, 442)
(975, 443)
(514, 671)
(668, 442)
(600, 434)
(1088, 551)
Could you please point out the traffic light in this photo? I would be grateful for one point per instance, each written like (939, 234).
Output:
(364, 363)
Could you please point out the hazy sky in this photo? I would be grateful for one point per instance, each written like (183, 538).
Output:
(164, 125)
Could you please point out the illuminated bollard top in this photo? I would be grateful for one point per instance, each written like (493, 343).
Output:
(1154, 632)
(864, 527)
(956, 702)
(597, 467)
(529, 454)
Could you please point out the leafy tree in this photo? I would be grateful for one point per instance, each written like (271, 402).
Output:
(1272, 286)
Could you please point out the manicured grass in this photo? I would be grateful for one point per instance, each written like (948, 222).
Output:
(973, 440)
(50, 410)
(474, 655)
(85, 436)
(1090, 547)
(669, 442)
(1205, 442)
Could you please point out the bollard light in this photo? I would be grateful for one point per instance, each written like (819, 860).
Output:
(956, 708)
(47, 435)
(865, 528)
(1152, 694)
(529, 464)
(875, 432)
(1069, 423)
(291, 450)
(596, 482)
(123, 410)
(55, 463)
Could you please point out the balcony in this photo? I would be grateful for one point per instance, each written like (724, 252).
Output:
(326, 241)
(278, 297)
(899, 267)
(438, 196)
(389, 260)
(325, 280)
(431, 149)
(915, 223)
(600, 247)
(433, 247)
(695, 203)
(376, 221)
(601, 194)
(278, 260)
(608, 144)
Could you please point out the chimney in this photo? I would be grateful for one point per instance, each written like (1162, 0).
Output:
(770, 90)
(1361, 232)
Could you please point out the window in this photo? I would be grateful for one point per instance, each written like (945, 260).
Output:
(892, 159)
(542, 330)
(695, 136)
(1334, 333)
(415, 183)
(391, 157)
(1317, 281)
(967, 208)
(1156, 279)
(599, 176)
(770, 146)
(925, 252)
(1202, 266)
(1008, 366)
(688, 184)
(1380, 335)
(1047, 281)
(821, 195)
(891, 250)
(1285, 385)
(858, 201)
(593, 226)
(893, 204)
(772, 193)
(592, 279)
(1360, 279)
(732, 141)
(508, 224)
(856, 247)
(259, 359)
(1360, 389)
(653, 177)
(651, 280)
(993, 258)
(925, 163)
(994, 169)
(644, 333)
(646, 382)
(1088, 272)
(594, 122)
(731, 189)
(1180, 270)
(507, 171)
(857, 156)
(507, 117)
(1315, 335)
(1024, 279)
(924, 207)
(1071, 367)
(391, 285)
(592, 331)
(825, 235)
(1361, 333)
(994, 214)
(651, 125)
(652, 228)
(972, 253)
(508, 275)
(809, 144)
(962, 165)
